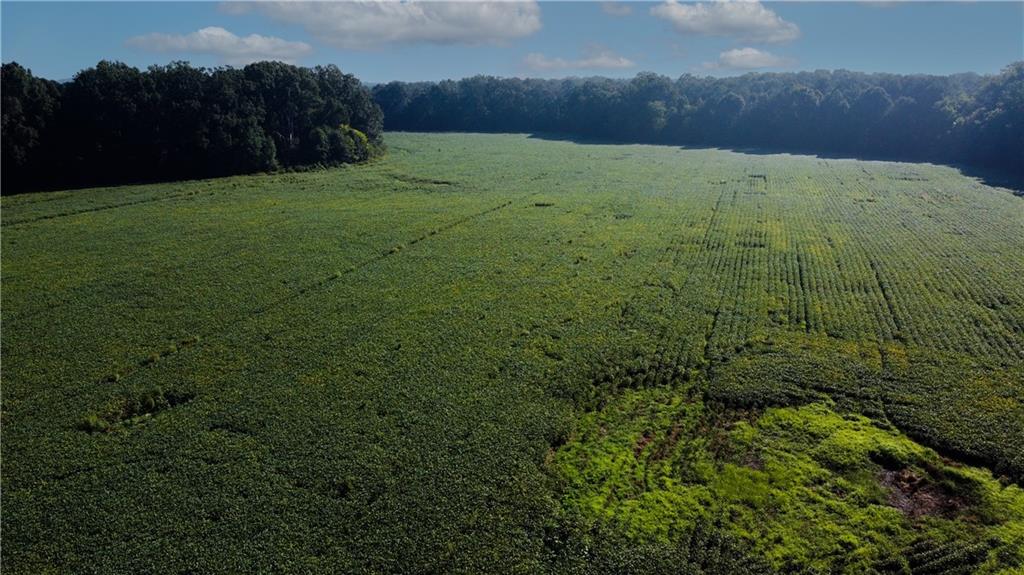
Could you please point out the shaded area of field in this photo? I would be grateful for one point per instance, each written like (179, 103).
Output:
(426, 364)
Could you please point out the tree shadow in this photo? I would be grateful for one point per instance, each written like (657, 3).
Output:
(987, 176)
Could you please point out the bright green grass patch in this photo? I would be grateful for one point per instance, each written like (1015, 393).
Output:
(808, 487)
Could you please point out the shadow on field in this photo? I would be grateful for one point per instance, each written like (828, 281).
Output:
(988, 177)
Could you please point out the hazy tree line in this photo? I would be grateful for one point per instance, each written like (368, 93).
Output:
(964, 118)
(116, 124)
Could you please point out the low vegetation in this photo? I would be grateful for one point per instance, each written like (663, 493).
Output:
(810, 489)
(500, 353)
(962, 118)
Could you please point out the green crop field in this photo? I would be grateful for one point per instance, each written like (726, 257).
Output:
(495, 353)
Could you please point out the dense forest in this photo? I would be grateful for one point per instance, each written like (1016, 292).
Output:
(116, 124)
(965, 118)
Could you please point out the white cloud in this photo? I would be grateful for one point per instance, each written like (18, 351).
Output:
(745, 20)
(229, 48)
(748, 59)
(367, 24)
(616, 8)
(594, 58)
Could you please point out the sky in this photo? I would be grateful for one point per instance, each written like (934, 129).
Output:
(379, 41)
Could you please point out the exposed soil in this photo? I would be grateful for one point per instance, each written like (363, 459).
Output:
(641, 443)
(666, 446)
(917, 497)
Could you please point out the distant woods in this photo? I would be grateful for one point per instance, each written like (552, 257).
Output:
(966, 118)
(115, 124)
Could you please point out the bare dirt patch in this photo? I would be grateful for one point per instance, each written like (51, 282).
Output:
(641, 443)
(916, 496)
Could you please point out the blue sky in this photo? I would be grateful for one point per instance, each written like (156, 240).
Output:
(429, 41)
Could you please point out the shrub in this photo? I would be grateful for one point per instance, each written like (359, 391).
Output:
(348, 145)
(94, 424)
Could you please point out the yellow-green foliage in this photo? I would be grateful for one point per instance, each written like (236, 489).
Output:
(803, 485)
(379, 368)
(360, 137)
(355, 145)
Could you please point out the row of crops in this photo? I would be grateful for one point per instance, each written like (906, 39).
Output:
(498, 353)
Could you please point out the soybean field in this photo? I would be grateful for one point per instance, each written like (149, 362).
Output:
(508, 354)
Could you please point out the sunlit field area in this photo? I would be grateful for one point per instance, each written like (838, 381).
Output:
(486, 353)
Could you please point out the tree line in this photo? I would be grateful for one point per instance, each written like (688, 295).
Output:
(963, 118)
(115, 124)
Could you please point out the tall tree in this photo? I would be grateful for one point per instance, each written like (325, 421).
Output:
(116, 124)
(27, 115)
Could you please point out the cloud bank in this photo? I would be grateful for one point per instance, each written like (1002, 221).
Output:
(368, 24)
(227, 47)
(740, 19)
(748, 59)
(616, 8)
(594, 58)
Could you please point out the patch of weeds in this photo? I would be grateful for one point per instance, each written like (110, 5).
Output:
(93, 423)
(805, 486)
(133, 409)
